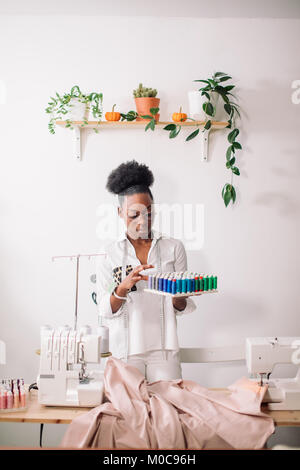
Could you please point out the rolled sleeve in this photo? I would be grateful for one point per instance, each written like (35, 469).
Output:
(105, 285)
(181, 265)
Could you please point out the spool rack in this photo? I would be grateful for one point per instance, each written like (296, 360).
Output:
(185, 294)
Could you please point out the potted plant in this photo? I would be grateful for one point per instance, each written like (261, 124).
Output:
(145, 101)
(74, 106)
(196, 101)
(210, 94)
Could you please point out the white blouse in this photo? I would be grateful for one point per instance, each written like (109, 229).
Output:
(145, 321)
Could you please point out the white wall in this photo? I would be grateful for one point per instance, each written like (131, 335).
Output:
(49, 200)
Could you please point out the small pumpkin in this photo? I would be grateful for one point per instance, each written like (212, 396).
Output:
(179, 117)
(112, 115)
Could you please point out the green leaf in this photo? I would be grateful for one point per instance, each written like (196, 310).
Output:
(224, 189)
(229, 87)
(233, 103)
(237, 111)
(192, 135)
(169, 127)
(228, 153)
(175, 132)
(233, 194)
(204, 93)
(232, 161)
(232, 135)
(207, 125)
(225, 98)
(148, 126)
(228, 108)
(237, 145)
(220, 89)
(219, 74)
(146, 116)
(223, 79)
(227, 196)
(154, 111)
(212, 82)
(208, 108)
(235, 170)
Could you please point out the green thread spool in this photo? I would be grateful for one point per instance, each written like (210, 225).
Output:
(210, 283)
(205, 281)
(201, 283)
(215, 282)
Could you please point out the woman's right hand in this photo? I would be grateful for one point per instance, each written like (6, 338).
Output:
(134, 276)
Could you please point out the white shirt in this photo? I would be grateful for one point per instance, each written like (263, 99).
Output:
(142, 311)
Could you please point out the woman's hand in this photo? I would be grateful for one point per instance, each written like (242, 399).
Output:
(180, 302)
(134, 276)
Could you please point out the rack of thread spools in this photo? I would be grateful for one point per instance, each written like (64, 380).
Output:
(12, 395)
(179, 284)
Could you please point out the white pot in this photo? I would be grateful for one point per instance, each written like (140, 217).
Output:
(196, 101)
(77, 111)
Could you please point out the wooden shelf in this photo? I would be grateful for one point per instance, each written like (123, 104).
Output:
(133, 124)
(79, 125)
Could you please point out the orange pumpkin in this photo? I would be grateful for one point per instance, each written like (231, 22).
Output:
(179, 117)
(112, 116)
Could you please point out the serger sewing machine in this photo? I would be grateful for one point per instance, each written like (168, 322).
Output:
(262, 354)
(63, 378)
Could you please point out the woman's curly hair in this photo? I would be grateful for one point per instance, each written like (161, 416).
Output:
(130, 177)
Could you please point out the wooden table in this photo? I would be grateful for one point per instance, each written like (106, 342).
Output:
(37, 413)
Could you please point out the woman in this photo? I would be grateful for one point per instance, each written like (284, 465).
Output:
(142, 326)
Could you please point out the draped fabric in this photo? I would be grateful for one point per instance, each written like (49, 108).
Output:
(171, 414)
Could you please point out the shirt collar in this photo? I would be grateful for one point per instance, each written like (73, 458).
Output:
(155, 235)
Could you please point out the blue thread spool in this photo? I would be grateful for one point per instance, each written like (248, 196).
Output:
(192, 283)
(165, 285)
(178, 285)
(189, 283)
(157, 281)
(167, 282)
(173, 286)
(170, 285)
(160, 283)
(184, 285)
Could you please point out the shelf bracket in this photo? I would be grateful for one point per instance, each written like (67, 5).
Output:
(205, 135)
(77, 142)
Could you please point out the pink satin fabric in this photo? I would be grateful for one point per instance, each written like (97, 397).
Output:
(173, 414)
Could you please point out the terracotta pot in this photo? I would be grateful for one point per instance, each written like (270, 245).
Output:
(143, 106)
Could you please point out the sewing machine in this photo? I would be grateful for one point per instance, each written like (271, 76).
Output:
(262, 354)
(63, 379)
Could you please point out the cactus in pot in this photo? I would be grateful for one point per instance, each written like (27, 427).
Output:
(145, 100)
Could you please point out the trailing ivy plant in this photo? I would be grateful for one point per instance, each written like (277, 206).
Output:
(215, 84)
(59, 106)
(132, 115)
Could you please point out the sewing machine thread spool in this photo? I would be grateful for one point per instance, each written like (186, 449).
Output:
(182, 282)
